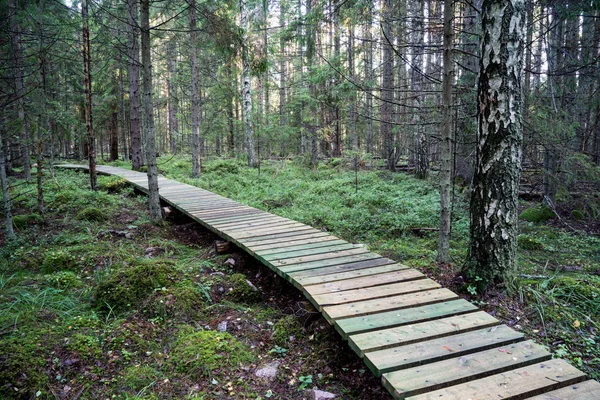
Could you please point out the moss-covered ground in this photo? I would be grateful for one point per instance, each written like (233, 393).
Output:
(117, 308)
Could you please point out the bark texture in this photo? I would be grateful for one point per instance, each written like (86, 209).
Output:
(195, 90)
(135, 133)
(247, 87)
(387, 88)
(153, 197)
(493, 212)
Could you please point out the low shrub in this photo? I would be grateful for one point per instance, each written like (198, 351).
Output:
(91, 214)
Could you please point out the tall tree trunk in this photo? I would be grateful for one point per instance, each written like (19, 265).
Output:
(282, 78)
(173, 102)
(300, 36)
(353, 135)
(311, 38)
(421, 156)
(8, 224)
(153, 197)
(87, 84)
(135, 132)
(387, 87)
(446, 145)
(17, 51)
(368, 64)
(123, 112)
(114, 132)
(493, 211)
(247, 87)
(230, 99)
(196, 167)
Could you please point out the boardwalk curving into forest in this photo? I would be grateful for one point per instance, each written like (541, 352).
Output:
(421, 339)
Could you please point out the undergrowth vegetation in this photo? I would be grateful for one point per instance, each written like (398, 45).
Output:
(115, 307)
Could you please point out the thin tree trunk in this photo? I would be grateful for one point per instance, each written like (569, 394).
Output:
(135, 133)
(353, 135)
(87, 84)
(153, 197)
(282, 77)
(196, 168)
(8, 224)
(368, 63)
(447, 137)
(493, 211)
(17, 50)
(173, 102)
(387, 87)
(230, 100)
(247, 87)
(303, 144)
(123, 113)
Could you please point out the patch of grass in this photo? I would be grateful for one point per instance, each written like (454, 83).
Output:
(57, 260)
(199, 353)
(23, 221)
(526, 242)
(22, 366)
(538, 214)
(91, 214)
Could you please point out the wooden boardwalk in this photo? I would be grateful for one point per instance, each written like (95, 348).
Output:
(421, 339)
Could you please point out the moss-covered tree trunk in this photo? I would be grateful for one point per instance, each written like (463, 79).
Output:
(493, 211)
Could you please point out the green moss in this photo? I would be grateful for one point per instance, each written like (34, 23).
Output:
(138, 377)
(242, 291)
(86, 346)
(578, 215)
(22, 367)
(112, 184)
(62, 198)
(22, 221)
(181, 302)
(199, 353)
(223, 167)
(285, 328)
(527, 242)
(91, 214)
(64, 280)
(130, 285)
(57, 260)
(537, 214)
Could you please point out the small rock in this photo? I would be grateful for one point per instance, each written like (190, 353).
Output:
(322, 395)
(268, 372)
(230, 261)
(222, 327)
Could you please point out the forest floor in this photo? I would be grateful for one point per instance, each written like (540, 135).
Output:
(95, 302)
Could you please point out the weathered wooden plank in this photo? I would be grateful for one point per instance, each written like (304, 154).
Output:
(429, 377)
(257, 222)
(406, 334)
(332, 274)
(517, 383)
(240, 235)
(375, 292)
(366, 323)
(243, 218)
(221, 211)
(429, 351)
(328, 262)
(365, 281)
(287, 255)
(284, 240)
(264, 228)
(388, 303)
(209, 219)
(587, 390)
(298, 245)
(319, 257)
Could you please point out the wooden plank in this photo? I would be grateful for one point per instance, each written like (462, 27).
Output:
(255, 222)
(240, 213)
(239, 219)
(284, 255)
(268, 233)
(375, 292)
(366, 323)
(514, 384)
(426, 378)
(365, 281)
(328, 262)
(319, 257)
(298, 245)
(264, 228)
(377, 266)
(587, 390)
(388, 303)
(283, 240)
(406, 334)
(429, 351)
(221, 211)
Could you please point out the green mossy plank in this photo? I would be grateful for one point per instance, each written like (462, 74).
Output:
(406, 334)
(375, 292)
(351, 326)
(284, 255)
(298, 245)
(372, 267)
(363, 256)
(365, 281)
(332, 313)
(441, 374)
(587, 390)
(428, 351)
(514, 384)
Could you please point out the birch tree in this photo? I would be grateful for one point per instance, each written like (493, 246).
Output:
(135, 134)
(247, 86)
(493, 210)
(195, 110)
